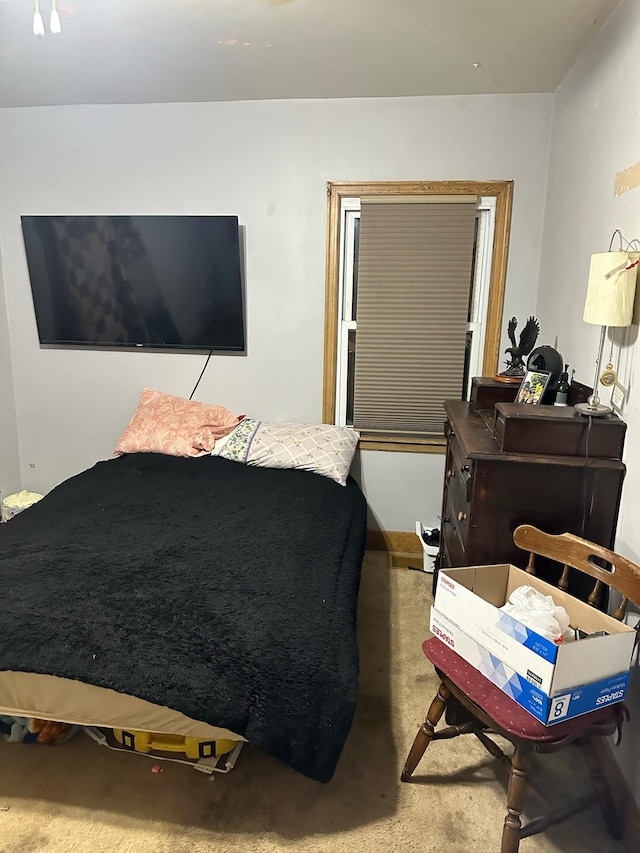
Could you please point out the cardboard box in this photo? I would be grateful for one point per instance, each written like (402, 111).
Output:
(549, 709)
(471, 597)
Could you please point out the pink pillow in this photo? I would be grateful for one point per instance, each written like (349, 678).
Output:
(177, 427)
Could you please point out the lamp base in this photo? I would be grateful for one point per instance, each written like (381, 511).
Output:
(597, 411)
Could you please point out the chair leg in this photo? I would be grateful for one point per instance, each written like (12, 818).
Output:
(515, 800)
(425, 732)
(606, 801)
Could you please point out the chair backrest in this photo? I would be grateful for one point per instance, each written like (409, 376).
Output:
(571, 551)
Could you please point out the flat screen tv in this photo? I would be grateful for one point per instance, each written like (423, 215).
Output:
(136, 281)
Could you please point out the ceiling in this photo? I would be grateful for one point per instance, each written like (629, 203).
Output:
(137, 51)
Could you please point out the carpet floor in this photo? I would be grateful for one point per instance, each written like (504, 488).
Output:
(81, 797)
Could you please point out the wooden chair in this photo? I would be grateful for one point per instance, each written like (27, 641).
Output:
(490, 711)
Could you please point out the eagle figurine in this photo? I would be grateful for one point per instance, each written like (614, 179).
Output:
(517, 352)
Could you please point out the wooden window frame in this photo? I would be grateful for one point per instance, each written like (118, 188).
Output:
(336, 191)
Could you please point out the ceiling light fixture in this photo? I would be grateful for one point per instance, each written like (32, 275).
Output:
(54, 20)
(38, 23)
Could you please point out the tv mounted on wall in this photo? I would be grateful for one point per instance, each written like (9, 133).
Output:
(170, 282)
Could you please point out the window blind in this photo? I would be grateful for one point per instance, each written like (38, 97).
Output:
(414, 278)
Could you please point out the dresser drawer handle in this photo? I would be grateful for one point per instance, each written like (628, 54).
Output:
(462, 516)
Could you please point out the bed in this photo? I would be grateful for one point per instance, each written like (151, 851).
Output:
(193, 596)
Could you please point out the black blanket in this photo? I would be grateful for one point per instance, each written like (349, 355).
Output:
(219, 590)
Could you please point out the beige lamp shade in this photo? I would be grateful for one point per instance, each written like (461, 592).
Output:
(612, 288)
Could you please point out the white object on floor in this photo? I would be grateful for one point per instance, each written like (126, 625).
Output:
(13, 504)
(429, 552)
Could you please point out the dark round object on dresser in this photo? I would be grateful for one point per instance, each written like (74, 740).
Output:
(547, 359)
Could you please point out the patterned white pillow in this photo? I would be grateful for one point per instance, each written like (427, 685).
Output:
(321, 448)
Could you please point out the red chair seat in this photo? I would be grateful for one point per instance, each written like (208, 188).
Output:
(501, 708)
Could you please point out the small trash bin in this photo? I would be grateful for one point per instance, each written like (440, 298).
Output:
(13, 504)
(430, 551)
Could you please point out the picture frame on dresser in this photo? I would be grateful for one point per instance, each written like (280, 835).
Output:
(533, 386)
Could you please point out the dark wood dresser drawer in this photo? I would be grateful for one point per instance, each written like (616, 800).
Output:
(460, 486)
(454, 534)
(460, 465)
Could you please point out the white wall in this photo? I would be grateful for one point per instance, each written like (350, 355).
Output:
(9, 452)
(596, 133)
(267, 162)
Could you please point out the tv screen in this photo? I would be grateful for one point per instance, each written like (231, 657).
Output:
(136, 281)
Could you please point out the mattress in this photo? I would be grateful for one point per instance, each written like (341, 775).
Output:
(48, 697)
(190, 596)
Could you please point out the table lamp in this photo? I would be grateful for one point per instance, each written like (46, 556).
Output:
(610, 296)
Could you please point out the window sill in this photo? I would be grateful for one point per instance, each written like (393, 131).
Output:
(403, 443)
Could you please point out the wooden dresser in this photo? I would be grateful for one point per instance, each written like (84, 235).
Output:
(544, 478)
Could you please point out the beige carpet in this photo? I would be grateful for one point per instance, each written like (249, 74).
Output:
(82, 797)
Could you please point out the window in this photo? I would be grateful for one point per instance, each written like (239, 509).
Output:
(489, 205)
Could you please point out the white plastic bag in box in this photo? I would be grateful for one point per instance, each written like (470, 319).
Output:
(538, 612)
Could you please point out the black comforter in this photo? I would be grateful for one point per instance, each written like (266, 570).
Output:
(222, 591)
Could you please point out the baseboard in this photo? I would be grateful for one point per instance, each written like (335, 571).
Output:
(404, 560)
(394, 540)
(620, 791)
